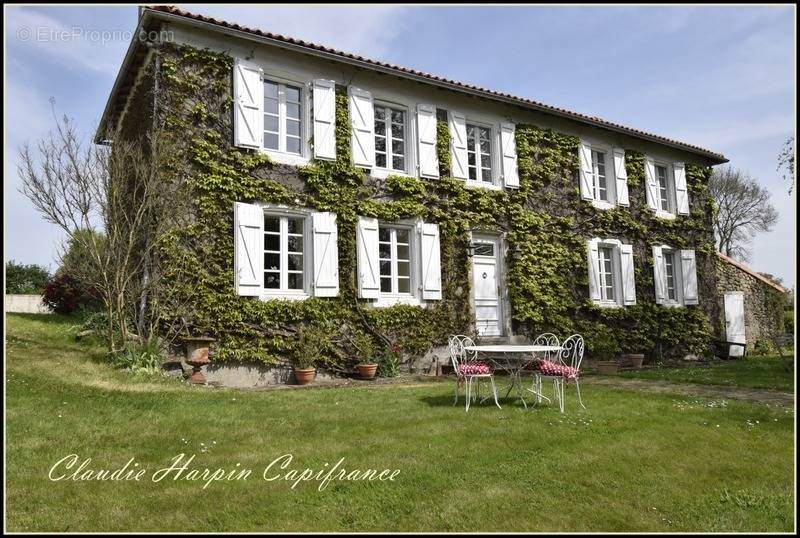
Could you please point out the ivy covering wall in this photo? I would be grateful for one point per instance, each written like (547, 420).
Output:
(545, 225)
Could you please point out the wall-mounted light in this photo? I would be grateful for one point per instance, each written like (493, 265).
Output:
(471, 249)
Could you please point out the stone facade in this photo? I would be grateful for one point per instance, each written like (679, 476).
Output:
(763, 299)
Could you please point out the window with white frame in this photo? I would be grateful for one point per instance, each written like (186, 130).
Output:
(605, 261)
(479, 153)
(611, 273)
(599, 173)
(664, 188)
(390, 138)
(669, 274)
(284, 253)
(394, 256)
(283, 117)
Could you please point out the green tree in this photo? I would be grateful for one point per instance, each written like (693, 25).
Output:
(25, 278)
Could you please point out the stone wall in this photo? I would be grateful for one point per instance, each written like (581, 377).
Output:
(763, 303)
(26, 304)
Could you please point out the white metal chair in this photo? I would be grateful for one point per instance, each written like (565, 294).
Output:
(544, 339)
(462, 359)
(571, 354)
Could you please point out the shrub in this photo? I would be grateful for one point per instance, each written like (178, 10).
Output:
(312, 344)
(25, 278)
(141, 358)
(389, 362)
(64, 295)
(364, 348)
(788, 321)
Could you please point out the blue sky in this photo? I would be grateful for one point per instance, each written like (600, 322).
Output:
(718, 77)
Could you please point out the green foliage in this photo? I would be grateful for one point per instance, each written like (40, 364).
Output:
(140, 358)
(22, 278)
(313, 343)
(364, 348)
(545, 223)
(78, 261)
(389, 362)
(788, 321)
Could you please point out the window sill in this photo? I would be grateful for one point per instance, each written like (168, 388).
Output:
(661, 214)
(284, 295)
(390, 300)
(672, 304)
(383, 173)
(481, 185)
(607, 304)
(602, 204)
(286, 158)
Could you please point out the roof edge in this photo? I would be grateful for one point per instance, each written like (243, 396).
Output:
(751, 272)
(170, 13)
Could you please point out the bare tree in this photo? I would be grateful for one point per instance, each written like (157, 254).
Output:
(112, 204)
(744, 209)
(786, 162)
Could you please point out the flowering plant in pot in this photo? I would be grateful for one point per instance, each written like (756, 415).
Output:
(310, 344)
(365, 355)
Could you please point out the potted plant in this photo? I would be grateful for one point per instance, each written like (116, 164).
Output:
(365, 355)
(633, 360)
(311, 342)
(604, 350)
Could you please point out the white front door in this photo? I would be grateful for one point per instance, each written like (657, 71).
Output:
(734, 321)
(486, 287)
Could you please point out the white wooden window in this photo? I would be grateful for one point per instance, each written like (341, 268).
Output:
(675, 276)
(283, 117)
(662, 180)
(603, 178)
(426, 137)
(284, 253)
(324, 116)
(599, 175)
(669, 274)
(605, 262)
(611, 272)
(479, 153)
(394, 255)
(390, 138)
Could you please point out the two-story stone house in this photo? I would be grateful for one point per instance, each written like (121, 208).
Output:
(516, 215)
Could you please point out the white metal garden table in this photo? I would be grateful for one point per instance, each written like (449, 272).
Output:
(512, 358)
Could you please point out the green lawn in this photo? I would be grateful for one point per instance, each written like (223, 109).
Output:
(632, 462)
(752, 372)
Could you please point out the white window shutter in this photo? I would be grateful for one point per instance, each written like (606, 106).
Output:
(594, 269)
(369, 280)
(689, 273)
(651, 184)
(324, 99)
(621, 176)
(325, 254)
(362, 119)
(248, 106)
(587, 172)
(659, 275)
(508, 143)
(426, 137)
(431, 262)
(681, 193)
(458, 145)
(628, 275)
(248, 248)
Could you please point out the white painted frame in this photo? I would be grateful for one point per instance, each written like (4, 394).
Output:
(306, 121)
(672, 201)
(503, 302)
(414, 296)
(284, 212)
(616, 266)
(678, 269)
(410, 151)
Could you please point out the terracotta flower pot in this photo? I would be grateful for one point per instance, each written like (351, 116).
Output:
(633, 360)
(607, 367)
(305, 376)
(367, 371)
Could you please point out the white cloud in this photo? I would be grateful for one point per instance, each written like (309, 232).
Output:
(366, 30)
(81, 46)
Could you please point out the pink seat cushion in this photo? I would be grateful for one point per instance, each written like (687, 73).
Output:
(554, 369)
(474, 368)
